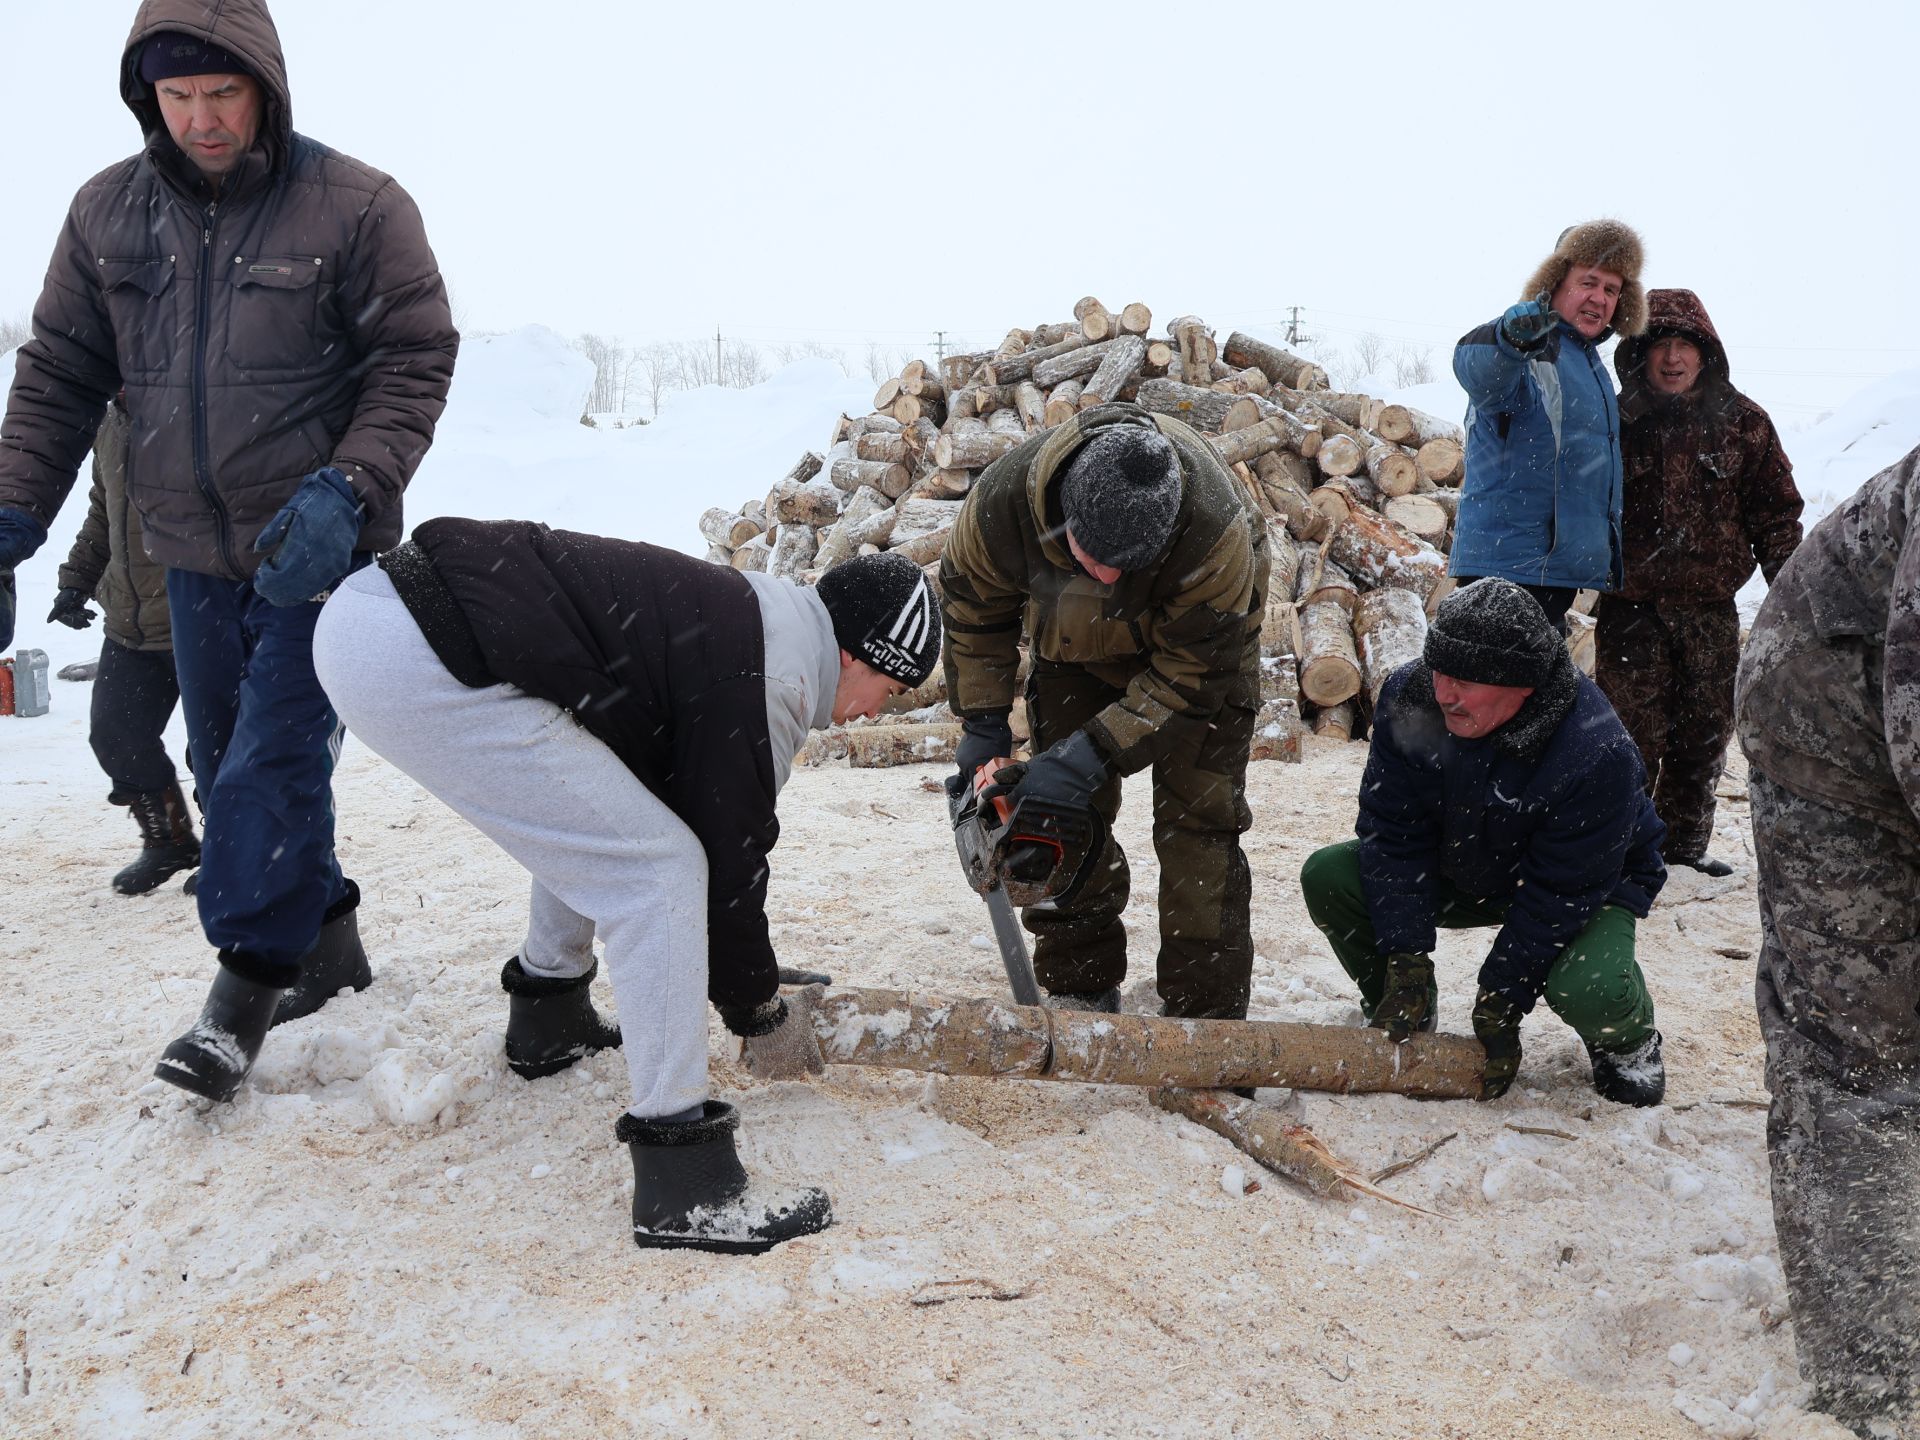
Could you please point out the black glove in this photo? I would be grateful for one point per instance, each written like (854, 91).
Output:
(761, 1019)
(1527, 324)
(1406, 1003)
(1496, 1021)
(70, 608)
(1068, 773)
(982, 738)
(804, 977)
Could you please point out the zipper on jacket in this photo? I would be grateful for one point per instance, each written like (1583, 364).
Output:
(202, 470)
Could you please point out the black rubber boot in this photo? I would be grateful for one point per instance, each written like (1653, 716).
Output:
(551, 1022)
(215, 1057)
(691, 1193)
(1630, 1077)
(335, 963)
(167, 842)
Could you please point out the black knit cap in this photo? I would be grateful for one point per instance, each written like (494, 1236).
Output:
(173, 53)
(884, 613)
(1120, 495)
(1493, 633)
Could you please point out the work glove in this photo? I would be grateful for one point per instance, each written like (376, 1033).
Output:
(309, 544)
(790, 1050)
(1496, 1021)
(20, 536)
(70, 609)
(1529, 323)
(1406, 1003)
(982, 738)
(804, 977)
(1067, 773)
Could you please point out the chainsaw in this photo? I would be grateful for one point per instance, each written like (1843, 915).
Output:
(1020, 852)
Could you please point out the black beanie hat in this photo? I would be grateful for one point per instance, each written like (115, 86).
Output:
(884, 613)
(1121, 493)
(1493, 633)
(173, 53)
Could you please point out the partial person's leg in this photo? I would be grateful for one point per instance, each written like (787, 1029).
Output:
(560, 803)
(1706, 649)
(1632, 665)
(1838, 980)
(559, 943)
(134, 693)
(1596, 985)
(1200, 812)
(1079, 950)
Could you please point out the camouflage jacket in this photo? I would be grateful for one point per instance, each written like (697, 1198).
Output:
(1182, 638)
(1828, 698)
(1709, 490)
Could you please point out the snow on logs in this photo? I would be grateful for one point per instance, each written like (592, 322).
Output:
(1357, 495)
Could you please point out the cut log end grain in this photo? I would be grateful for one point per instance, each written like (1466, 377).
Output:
(1329, 667)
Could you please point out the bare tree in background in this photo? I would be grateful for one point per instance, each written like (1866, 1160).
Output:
(609, 359)
(742, 364)
(1412, 366)
(16, 330)
(886, 361)
(657, 372)
(811, 350)
(1369, 350)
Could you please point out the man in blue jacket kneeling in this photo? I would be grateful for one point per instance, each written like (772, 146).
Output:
(1501, 789)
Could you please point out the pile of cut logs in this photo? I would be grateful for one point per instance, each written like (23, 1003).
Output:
(1358, 496)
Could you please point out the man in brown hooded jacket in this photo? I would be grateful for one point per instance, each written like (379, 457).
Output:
(277, 321)
(1709, 492)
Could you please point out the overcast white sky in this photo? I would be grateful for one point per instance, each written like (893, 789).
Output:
(848, 172)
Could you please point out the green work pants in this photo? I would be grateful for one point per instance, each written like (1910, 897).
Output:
(1595, 984)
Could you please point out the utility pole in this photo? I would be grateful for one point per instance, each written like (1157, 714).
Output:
(1294, 337)
(716, 356)
(939, 345)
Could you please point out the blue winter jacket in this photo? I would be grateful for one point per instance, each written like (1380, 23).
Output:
(1549, 812)
(1542, 499)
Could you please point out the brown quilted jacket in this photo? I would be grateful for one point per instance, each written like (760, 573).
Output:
(1709, 490)
(293, 319)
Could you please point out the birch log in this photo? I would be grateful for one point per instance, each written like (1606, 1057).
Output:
(1121, 364)
(875, 747)
(1391, 469)
(1030, 402)
(1276, 732)
(1096, 322)
(1389, 629)
(971, 451)
(1421, 517)
(889, 479)
(1205, 410)
(1063, 402)
(878, 445)
(1280, 366)
(1073, 364)
(1441, 460)
(1379, 553)
(1329, 667)
(1337, 722)
(932, 1034)
(1288, 495)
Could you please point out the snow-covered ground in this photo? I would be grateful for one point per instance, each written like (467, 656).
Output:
(390, 1234)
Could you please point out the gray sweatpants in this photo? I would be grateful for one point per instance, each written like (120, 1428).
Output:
(605, 854)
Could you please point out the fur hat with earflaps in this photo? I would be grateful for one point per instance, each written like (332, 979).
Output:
(1609, 244)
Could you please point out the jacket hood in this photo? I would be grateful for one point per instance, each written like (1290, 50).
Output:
(241, 27)
(1671, 312)
(1050, 465)
(1609, 244)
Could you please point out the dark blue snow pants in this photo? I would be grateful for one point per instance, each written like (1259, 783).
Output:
(264, 740)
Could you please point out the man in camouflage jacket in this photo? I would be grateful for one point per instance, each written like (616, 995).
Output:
(1828, 708)
(1124, 551)
(1709, 492)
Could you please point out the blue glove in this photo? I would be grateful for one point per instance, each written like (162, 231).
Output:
(1529, 323)
(20, 536)
(1068, 773)
(310, 542)
(6, 609)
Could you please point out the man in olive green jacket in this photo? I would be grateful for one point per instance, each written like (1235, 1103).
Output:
(1122, 548)
(135, 688)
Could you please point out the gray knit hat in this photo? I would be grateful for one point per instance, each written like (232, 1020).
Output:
(1493, 633)
(1120, 495)
(884, 613)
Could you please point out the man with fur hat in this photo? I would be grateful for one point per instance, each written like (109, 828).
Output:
(1124, 551)
(1709, 492)
(1827, 702)
(620, 719)
(276, 319)
(1501, 789)
(1541, 503)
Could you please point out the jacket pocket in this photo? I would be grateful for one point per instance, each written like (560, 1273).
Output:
(139, 301)
(273, 312)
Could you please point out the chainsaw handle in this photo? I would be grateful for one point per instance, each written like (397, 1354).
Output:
(983, 777)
